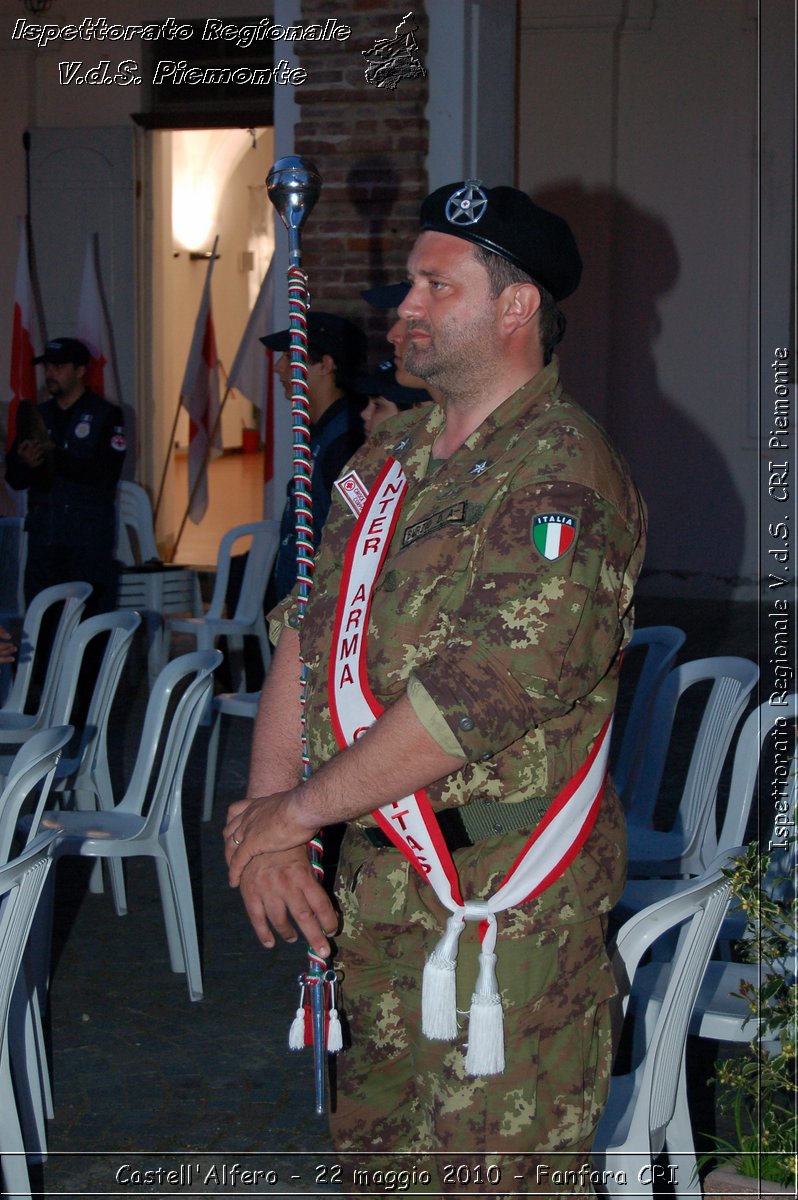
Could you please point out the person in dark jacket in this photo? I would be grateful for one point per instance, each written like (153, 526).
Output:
(336, 351)
(68, 455)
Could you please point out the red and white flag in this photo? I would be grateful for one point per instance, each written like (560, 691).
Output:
(27, 337)
(252, 375)
(267, 439)
(199, 396)
(94, 327)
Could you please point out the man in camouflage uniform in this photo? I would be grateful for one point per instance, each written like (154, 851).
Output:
(493, 648)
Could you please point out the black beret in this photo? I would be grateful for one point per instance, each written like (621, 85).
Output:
(65, 350)
(505, 221)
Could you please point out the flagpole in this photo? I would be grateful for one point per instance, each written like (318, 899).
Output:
(169, 450)
(202, 363)
(293, 185)
(205, 461)
(28, 221)
(171, 444)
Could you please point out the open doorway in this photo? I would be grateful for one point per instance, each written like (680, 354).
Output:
(205, 182)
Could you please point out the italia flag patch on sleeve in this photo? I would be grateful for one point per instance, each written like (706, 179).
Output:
(553, 534)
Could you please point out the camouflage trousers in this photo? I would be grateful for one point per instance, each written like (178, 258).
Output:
(405, 1111)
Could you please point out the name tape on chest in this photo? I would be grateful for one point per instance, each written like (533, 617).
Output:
(453, 515)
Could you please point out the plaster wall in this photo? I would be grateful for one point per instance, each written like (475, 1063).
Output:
(640, 122)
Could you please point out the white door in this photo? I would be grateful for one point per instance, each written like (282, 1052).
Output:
(83, 182)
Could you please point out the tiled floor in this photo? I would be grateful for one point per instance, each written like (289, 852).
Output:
(143, 1076)
(235, 495)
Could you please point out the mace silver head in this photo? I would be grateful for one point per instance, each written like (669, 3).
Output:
(293, 185)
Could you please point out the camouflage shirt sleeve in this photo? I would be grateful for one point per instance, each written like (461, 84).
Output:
(285, 613)
(533, 636)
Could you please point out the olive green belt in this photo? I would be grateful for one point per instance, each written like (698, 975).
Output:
(477, 821)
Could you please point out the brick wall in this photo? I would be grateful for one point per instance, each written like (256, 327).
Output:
(370, 146)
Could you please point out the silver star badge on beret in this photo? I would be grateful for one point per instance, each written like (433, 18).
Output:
(467, 204)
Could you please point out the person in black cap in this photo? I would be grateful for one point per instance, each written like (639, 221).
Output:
(389, 296)
(386, 396)
(336, 350)
(462, 643)
(68, 453)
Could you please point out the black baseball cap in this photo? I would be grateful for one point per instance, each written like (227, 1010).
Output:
(329, 334)
(507, 222)
(65, 350)
(389, 296)
(382, 382)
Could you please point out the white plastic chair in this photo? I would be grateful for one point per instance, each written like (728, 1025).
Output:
(34, 764)
(89, 759)
(15, 724)
(130, 829)
(229, 704)
(248, 618)
(153, 588)
(720, 1012)
(83, 776)
(647, 1112)
(135, 529)
(659, 645)
(754, 735)
(21, 884)
(678, 851)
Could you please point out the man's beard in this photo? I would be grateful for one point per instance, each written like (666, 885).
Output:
(456, 359)
(414, 361)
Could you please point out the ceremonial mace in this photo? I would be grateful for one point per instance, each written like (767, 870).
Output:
(294, 185)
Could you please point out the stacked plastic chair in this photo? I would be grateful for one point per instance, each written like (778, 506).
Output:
(147, 821)
(21, 884)
(647, 1113)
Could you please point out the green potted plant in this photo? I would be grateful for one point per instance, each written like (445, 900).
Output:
(759, 1087)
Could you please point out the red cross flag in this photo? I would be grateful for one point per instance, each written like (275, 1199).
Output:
(251, 375)
(27, 336)
(199, 396)
(94, 327)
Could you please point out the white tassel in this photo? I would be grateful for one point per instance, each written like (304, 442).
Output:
(485, 1054)
(439, 985)
(335, 1040)
(296, 1034)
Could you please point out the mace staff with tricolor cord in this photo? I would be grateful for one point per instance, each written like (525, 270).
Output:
(293, 185)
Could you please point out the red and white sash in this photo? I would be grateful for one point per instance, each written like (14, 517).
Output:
(411, 824)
